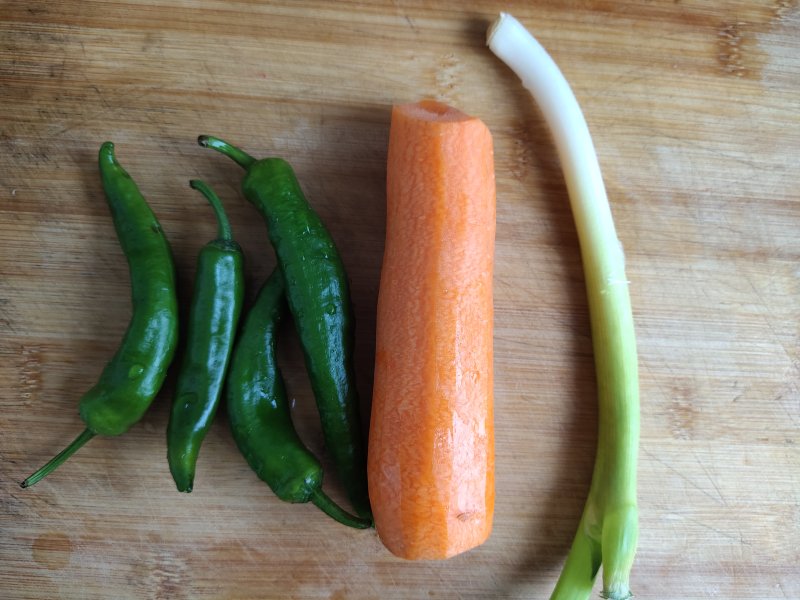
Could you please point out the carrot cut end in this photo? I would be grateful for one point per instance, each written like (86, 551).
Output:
(433, 110)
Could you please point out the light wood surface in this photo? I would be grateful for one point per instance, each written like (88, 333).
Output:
(694, 107)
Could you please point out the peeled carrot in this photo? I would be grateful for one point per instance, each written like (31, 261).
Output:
(431, 442)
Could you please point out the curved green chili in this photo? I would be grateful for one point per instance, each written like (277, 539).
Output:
(133, 377)
(259, 414)
(319, 300)
(213, 316)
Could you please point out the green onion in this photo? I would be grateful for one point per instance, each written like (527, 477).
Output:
(608, 529)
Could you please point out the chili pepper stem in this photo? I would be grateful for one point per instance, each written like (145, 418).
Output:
(240, 157)
(222, 219)
(59, 459)
(336, 512)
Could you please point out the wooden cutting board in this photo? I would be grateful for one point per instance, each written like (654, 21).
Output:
(695, 110)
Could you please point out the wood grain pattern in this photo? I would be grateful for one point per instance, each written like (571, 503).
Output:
(695, 110)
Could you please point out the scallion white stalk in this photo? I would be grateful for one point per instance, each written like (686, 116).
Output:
(608, 529)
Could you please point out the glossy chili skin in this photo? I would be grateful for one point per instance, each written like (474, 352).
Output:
(213, 316)
(134, 375)
(259, 414)
(318, 296)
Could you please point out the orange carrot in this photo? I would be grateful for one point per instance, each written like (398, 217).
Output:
(431, 442)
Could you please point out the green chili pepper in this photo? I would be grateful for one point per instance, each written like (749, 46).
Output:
(319, 300)
(133, 377)
(213, 316)
(259, 415)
